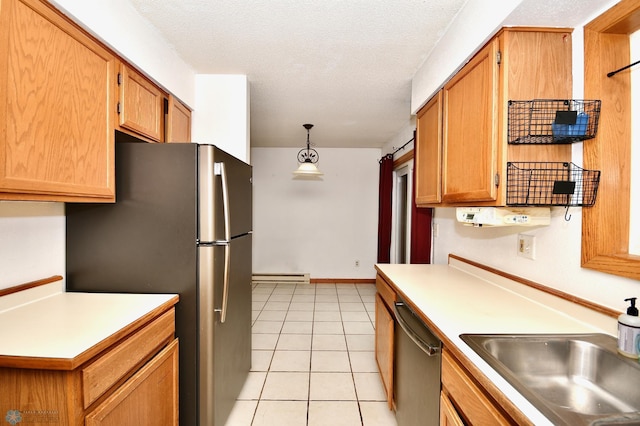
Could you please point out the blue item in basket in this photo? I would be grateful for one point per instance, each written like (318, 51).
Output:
(563, 131)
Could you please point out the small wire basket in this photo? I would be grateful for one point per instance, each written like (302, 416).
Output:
(552, 121)
(551, 184)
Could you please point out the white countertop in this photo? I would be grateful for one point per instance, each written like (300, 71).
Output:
(64, 325)
(460, 298)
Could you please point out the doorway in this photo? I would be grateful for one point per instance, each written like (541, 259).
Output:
(401, 229)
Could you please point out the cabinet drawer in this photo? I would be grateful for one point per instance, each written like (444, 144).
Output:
(470, 401)
(386, 292)
(113, 366)
(150, 397)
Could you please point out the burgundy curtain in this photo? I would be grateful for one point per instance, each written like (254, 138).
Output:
(420, 231)
(384, 208)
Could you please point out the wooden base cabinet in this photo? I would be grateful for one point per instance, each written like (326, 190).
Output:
(385, 335)
(384, 346)
(448, 414)
(134, 381)
(463, 401)
(147, 398)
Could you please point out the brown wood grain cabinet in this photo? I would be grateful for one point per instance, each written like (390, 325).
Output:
(448, 414)
(56, 107)
(62, 95)
(148, 398)
(428, 153)
(384, 336)
(465, 401)
(133, 381)
(140, 105)
(517, 64)
(470, 124)
(178, 121)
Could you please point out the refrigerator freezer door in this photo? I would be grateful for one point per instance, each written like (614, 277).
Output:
(225, 348)
(214, 166)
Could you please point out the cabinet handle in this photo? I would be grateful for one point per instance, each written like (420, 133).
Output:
(428, 348)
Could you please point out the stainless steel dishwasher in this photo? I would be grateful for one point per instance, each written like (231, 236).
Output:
(417, 370)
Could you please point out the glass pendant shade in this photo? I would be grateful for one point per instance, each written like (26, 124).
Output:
(307, 169)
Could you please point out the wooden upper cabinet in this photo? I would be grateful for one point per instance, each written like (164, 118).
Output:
(56, 108)
(517, 64)
(140, 106)
(470, 130)
(178, 121)
(536, 65)
(428, 152)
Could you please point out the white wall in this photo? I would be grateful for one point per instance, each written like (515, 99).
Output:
(402, 137)
(475, 24)
(317, 227)
(31, 241)
(221, 115)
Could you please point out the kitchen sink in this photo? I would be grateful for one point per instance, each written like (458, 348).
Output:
(577, 379)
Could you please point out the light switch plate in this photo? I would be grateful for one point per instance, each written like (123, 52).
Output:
(526, 246)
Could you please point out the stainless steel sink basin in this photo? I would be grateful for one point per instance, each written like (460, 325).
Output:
(572, 379)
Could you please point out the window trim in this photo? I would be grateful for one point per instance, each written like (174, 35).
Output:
(605, 226)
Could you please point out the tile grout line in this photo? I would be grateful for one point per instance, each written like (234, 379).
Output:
(348, 297)
(313, 321)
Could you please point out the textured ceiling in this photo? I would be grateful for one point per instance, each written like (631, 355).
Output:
(345, 66)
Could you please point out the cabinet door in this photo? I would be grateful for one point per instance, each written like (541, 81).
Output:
(384, 346)
(178, 122)
(470, 130)
(141, 107)
(471, 401)
(428, 157)
(448, 414)
(150, 397)
(56, 110)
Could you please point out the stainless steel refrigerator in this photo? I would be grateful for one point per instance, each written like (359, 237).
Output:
(181, 224)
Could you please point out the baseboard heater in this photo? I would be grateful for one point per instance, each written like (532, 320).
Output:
(281, 278)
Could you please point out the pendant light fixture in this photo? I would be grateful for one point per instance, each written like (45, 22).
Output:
(307, 158)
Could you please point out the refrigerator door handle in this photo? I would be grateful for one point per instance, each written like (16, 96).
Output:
(220, 169)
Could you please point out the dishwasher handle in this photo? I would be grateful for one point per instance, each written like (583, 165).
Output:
(428, 348)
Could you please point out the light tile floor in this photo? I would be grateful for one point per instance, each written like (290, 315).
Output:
(313, 358)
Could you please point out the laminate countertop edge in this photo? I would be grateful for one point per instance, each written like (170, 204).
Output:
(63, 327)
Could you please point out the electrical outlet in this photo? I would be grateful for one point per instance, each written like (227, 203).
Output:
(527, 246)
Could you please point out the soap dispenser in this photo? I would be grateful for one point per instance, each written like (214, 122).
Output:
(629, 331)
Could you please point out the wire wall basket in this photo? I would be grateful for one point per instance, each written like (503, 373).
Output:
(547, 121)
(551, 184)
